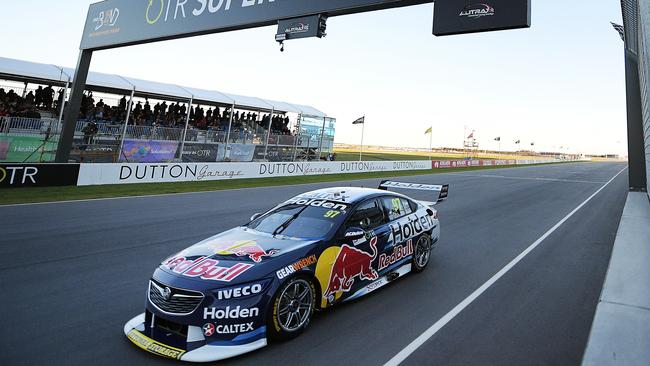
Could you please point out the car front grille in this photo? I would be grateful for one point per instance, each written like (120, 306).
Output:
(177, 301)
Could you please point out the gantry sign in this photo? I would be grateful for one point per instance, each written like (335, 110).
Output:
(118, 23)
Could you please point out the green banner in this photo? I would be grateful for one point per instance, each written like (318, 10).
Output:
(31, 149)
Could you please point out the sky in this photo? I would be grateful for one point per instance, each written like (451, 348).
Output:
(558, 84)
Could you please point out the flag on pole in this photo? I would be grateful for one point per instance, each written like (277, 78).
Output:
(532, 144)
(497, 139)
(360, 121)
(471, 135)
(428, 131)
(518, 142)
(619, 28)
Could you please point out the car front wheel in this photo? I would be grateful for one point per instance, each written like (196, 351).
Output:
(293, 308)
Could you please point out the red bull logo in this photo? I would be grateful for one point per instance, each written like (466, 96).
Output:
(350, 264)
(205, 268)
(244, 248)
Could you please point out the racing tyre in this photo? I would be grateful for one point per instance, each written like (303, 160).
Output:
(421, 253)
(292, 310)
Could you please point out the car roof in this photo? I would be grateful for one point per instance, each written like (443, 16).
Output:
(349, 195)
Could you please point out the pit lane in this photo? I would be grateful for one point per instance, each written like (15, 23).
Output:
(72, 274)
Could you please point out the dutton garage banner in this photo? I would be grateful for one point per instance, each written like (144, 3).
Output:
(114, 23)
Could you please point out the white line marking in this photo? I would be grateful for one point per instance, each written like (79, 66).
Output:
(419, 341)
(532, 178)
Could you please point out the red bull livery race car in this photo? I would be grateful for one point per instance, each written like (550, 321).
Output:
(232, 293)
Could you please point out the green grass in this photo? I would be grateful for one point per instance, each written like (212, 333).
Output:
(373, 156)
(52, 194)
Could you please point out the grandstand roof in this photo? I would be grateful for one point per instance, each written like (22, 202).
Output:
(36, 72)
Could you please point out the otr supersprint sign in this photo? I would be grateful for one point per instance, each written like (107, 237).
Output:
(114, 23)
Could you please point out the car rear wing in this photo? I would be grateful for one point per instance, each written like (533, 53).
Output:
(443, 190)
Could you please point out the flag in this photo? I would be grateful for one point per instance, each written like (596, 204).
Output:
(471, 135)
(497, 139)
(532, 144)
(360, 121)
(619, 28)
(428, 131)
(518, 142)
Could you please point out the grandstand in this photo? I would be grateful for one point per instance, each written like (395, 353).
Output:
(166, 122)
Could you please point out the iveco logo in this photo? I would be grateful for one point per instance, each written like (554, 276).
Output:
(167, 293)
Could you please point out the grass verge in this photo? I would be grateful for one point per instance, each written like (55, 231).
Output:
(53, 194)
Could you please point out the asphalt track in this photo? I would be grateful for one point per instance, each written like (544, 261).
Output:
(71, 274)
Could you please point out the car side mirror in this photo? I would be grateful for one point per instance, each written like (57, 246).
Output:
(355, 233)
(256, 216)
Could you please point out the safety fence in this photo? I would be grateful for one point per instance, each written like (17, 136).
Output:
(26, 175)
(25, 140)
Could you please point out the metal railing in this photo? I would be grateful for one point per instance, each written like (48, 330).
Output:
(108, 136)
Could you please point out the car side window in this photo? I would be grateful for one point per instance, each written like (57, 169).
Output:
(406, 204)
(367, 216)
(396, 207)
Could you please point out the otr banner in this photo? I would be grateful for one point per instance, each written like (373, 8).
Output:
(139, 151)
(38, 175)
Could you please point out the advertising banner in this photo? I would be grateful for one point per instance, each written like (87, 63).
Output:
(93, 174)
(16, 149)
(200, 153)
(240, 153)
(469, 16)
(38, 175)
(112, 23)
(140, 151)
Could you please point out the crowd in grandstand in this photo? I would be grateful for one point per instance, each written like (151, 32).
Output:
(162, 114)
(42, 99)
(174, 115)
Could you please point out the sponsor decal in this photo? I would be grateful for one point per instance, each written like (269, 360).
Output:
(38, 175)
(242, 248)
(314, 202)
(237, 292)
(230, 313)
(349, 264)
(282, 169)
(106, 18)
(299, 27)
(234, 328)
(208, 329)
(475, 11)
(399, 252)
(290, 269)
(205, 268)
(413, 225)
(152, 346)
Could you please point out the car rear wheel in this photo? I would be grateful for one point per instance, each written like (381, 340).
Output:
(293, 309)
(421, 253)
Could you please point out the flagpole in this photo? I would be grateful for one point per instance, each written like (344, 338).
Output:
(431, 143)
(363, 130)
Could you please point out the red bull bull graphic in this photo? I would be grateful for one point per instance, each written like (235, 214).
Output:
(243, 248)
(350, 264)
(205, 268)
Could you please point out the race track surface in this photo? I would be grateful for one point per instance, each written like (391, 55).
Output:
(71, 274)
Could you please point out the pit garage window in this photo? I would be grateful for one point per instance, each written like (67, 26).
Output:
(367, 216)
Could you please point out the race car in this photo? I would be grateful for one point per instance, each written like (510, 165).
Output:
(238, 290)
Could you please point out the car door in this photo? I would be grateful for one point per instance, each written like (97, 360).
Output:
(355, 265)
(398, 248)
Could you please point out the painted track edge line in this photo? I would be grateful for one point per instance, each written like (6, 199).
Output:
(431, 331)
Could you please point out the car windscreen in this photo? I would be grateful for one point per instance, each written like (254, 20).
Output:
(299, 221)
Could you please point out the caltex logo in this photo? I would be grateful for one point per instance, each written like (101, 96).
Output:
(208, 329)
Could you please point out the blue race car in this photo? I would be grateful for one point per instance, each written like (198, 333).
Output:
(231, 293)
